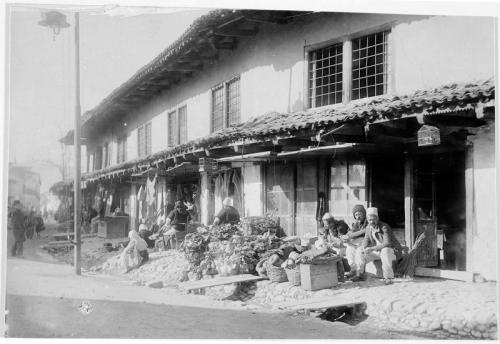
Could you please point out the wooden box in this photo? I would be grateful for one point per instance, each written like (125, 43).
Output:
(315, 277)
(111, 227)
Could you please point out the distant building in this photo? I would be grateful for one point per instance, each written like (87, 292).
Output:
(24, 185)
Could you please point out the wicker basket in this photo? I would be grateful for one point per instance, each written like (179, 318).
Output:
(293, 276)
(276, 274)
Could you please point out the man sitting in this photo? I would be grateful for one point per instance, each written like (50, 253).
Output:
(354, 237)
(379, 243)
(228, 214)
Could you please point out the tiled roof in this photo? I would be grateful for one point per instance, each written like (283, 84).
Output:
(445, 99)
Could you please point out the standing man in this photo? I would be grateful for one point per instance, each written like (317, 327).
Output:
(354, 237)
(19, 229)
(228, 213)
(379, 243)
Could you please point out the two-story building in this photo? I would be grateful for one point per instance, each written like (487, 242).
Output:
(299, 113)
(24, 185)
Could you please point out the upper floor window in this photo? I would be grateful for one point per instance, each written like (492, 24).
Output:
(177, 126)
(325, 76)
(107, 154)
(144, 140)
(98, 158)
(226, 107)
(329, 76)
(121, 149)
(369, 66)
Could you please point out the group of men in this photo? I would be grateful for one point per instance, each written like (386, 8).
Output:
(176, 221)
(24, 225)
(367, 239)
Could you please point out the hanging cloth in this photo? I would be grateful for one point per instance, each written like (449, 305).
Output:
(219, 181)
(151, 190)
(162, 203)
(141, 196)
(238, 204)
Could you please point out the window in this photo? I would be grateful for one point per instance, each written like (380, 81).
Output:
(98, 158)
(144, 140)
(226, 107)
(329, 72)
(369, 65)
(107, 154)
(325, 76)
(347, 186)
(121, 149)
(177, 126)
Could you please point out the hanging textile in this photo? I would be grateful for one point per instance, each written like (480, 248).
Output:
(218, 194)
(162, 203)
(237, 197)
(151, 190)
(141, 197)
(179, 192)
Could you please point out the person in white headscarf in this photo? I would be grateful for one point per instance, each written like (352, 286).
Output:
(228, 214)
(136, 252)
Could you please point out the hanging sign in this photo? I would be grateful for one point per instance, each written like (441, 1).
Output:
(428, 136)
(207, 165)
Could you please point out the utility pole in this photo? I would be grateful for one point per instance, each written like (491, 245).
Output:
(76, 184)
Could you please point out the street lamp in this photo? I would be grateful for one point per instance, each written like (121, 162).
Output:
(56, 21)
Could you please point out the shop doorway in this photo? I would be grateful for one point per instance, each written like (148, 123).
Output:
(439, 208)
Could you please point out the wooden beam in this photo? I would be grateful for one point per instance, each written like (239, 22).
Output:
(408, 191)
(235, 32)
(470, 221)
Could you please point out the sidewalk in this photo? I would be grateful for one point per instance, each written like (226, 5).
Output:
(441, 308)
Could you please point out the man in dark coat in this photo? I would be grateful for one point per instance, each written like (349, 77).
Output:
(228, 214)
(19, 228)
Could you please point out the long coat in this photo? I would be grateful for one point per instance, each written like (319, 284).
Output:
(18, 225)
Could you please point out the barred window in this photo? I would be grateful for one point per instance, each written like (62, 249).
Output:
(226, 106)
(144, 140)
(218, 108)
(182, 123)
(325, 75)
(121, 149)
(233, 102)
(172, 129)
(369, 66)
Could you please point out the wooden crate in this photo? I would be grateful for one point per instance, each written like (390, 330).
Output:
(315, 277)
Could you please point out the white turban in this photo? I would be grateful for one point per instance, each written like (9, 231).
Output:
(228, 201)
(372, 211)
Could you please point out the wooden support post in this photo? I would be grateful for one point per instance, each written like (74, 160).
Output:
(469, 206)
(409, 218)
(205, 198)
(133, 206)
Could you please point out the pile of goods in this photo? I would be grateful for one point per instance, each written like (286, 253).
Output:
(195, 246)
(258, 225)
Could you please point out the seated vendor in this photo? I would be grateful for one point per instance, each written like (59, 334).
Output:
(145, 233)
(329, 234)
(228, 214)
(177, 219)
(379, 243)
(354, 237)
(135, 254)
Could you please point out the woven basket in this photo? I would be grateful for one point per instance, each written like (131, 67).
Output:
(276, 274)
(293, 276)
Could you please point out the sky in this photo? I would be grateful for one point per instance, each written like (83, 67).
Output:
(42, 86)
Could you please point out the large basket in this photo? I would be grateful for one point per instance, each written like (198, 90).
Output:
(293, 276)
(276, 274)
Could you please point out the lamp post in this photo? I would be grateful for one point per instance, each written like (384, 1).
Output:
(55, 21)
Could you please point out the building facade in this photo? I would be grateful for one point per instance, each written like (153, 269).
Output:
(297, 113)
(24, 185)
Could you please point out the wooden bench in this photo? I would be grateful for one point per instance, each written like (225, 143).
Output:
(308, 305)
(200, 285)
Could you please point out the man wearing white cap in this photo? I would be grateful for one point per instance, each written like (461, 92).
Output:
(228, 214)
(379, 243)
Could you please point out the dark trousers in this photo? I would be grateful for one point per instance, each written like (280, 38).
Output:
(17, 249)
(145, 256)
